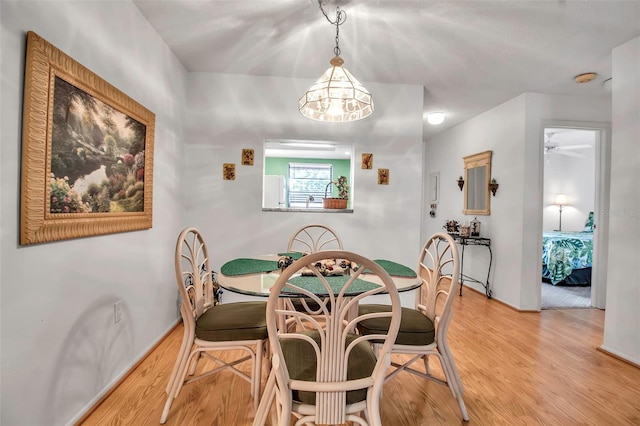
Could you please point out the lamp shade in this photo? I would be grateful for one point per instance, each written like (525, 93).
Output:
(337, 96)
(561, 200)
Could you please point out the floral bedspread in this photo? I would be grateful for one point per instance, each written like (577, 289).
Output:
(562, 252)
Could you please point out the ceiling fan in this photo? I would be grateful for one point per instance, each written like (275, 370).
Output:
(568, 150)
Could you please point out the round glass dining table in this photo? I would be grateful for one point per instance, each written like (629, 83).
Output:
(254, 276)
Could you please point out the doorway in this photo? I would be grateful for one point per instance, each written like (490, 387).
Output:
(573, 179)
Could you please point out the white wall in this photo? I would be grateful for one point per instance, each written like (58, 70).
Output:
(60, 346)
(227, 113)
(514, 132)
(498, 130)
(622, 317)
(574, 177)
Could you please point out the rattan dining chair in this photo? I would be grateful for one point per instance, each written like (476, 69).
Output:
(310, 239)
(313, 238)
(423, 329)
(211, 326)
(327, 373)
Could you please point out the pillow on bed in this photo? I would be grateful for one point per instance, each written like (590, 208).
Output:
(588, 225)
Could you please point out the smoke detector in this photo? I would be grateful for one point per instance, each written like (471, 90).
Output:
(585, 78)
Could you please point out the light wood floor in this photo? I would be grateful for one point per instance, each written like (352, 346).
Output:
(517, 369)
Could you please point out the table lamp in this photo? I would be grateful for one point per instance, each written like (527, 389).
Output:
(561, 200)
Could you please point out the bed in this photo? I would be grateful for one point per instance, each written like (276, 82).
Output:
(567, 257)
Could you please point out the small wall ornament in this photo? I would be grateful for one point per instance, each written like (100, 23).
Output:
(460, 183)
(229, 171)
(493, 187)
(247, 157)
(367, 161)
(383, 176)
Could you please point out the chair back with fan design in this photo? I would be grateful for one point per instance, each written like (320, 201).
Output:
(210, 326)
(423, 329)
(192, 270)
(438, 267)
(313, 238)
(326, 373)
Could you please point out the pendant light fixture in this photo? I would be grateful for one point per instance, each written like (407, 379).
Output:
(337, 96)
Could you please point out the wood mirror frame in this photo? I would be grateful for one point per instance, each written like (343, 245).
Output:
(477, 175)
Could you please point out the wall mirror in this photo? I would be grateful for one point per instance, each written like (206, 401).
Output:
(477, 175)
(296, 173)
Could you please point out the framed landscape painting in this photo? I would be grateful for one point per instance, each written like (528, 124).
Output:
(87, 152)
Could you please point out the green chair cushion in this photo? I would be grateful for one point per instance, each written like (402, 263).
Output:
(312, 304)
(415, 328)
(233, 321)
(301, 365)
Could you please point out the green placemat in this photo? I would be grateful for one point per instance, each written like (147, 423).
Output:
(395, 269)
(313, 284)
(244, 266)
(295, 254)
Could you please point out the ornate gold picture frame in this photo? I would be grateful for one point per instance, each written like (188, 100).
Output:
(87, 152)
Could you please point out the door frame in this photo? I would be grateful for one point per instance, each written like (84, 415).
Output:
(601, 199)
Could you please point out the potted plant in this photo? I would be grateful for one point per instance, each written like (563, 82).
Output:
(339, 202)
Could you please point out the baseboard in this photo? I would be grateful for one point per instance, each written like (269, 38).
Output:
(482, 292)
(93, 406)
(618, 357)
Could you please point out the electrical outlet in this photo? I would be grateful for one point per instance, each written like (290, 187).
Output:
(117, 311)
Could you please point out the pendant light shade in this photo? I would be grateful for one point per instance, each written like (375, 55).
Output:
(337, 96)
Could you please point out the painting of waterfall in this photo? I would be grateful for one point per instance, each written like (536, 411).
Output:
(91, 142)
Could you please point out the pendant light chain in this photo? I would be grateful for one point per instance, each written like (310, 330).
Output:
(337, 96)
(341, 17)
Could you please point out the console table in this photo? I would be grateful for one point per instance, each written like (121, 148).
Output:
(474, 241)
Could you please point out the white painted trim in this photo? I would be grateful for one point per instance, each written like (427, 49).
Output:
(620, 354)
(602, 175)
(424, 211)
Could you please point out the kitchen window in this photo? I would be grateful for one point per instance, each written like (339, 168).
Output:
(307, 183)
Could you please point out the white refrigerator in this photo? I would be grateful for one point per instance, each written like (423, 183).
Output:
(274, 192)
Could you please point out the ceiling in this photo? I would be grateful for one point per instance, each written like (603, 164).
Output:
(468, 55)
